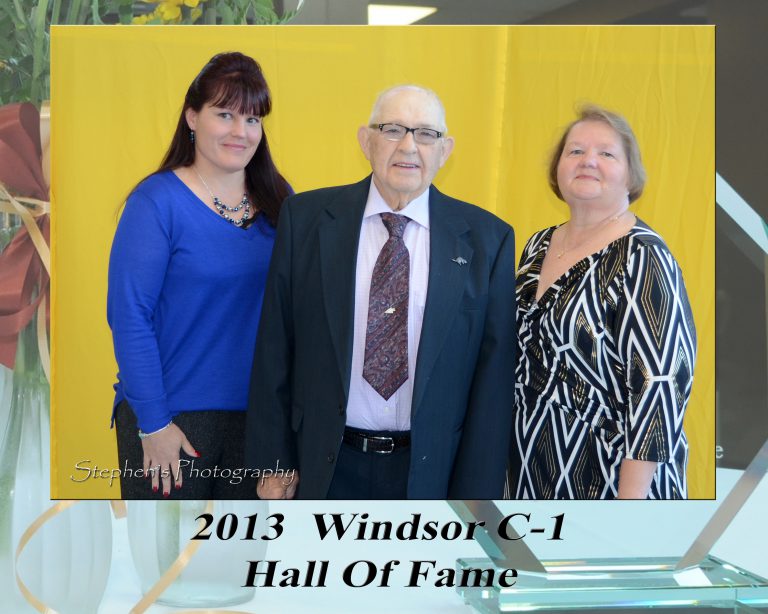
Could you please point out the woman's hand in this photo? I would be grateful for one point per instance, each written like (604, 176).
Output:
(161, 457)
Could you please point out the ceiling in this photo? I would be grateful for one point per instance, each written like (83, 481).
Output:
(515, 11)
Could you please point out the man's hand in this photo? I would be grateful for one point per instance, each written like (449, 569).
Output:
(276, 487)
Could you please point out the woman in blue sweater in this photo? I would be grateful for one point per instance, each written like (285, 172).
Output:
(186, 280)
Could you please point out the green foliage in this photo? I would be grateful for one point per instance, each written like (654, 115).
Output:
(25, 24)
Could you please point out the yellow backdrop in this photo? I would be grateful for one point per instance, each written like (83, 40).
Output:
(117, 93)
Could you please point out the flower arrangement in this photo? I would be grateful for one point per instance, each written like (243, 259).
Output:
(25, 24)
(214, 11)
(170, 11)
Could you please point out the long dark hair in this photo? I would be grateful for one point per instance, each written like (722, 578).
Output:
(235, 81)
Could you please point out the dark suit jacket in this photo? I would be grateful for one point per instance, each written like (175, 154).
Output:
(464, 382)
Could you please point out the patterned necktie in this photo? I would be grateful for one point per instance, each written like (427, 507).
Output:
(386, 341)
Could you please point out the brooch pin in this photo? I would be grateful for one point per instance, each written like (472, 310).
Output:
(460, 261)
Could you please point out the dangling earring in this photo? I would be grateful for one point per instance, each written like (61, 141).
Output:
(192, 135)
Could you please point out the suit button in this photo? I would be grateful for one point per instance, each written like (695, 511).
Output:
(341, 410)
(331, 458)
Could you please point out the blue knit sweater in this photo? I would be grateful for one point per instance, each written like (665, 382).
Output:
(185, 295)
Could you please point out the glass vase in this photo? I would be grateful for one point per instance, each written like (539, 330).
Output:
(66, 562)
(158, 531)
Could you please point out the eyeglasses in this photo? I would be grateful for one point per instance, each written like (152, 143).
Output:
(396, 132)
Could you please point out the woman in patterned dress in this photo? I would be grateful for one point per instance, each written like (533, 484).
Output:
(606, 335)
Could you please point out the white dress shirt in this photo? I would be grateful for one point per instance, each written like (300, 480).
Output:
(366, 409)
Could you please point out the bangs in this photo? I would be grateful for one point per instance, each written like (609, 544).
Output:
(246, 96)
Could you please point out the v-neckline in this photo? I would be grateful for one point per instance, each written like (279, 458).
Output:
(558, 283)
(211, 215)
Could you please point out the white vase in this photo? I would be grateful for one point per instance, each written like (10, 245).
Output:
(66, 562)
(158, 531)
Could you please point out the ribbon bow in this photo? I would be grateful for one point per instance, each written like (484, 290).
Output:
(25, 262)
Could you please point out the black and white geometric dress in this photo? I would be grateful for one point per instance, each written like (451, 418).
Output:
(605, 371)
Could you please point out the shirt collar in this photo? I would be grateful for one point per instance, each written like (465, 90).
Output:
(417, 209)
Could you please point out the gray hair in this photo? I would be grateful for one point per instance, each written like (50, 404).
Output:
(383, 96)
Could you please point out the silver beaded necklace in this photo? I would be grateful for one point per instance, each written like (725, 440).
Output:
(222, 208)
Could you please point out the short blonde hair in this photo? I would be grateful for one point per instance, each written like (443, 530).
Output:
(596, 113)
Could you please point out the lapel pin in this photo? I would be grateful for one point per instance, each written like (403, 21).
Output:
(460, 261)
(390, 310)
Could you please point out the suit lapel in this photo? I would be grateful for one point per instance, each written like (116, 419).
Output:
(339, 235)
(447, 279)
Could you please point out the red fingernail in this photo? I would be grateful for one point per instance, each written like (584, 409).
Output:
(197, 454)
(154, 489)
(165, 494)
(178, 486)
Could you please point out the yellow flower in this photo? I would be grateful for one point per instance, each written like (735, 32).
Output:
(169, 10)
(142, 19)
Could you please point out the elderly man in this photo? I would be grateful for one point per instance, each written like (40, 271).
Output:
(385, 357)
